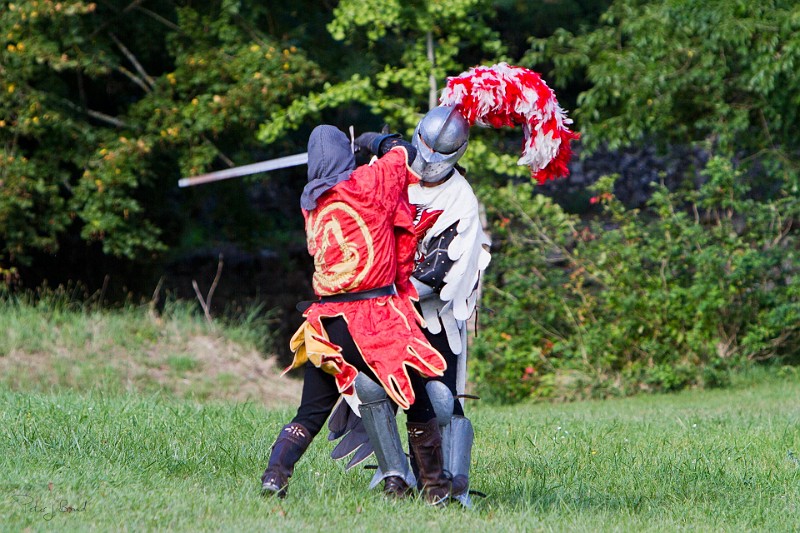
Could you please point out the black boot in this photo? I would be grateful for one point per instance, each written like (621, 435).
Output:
(289, 447)
(425, 441)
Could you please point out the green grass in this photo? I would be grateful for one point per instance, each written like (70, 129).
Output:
(695, 461)
(165, 423)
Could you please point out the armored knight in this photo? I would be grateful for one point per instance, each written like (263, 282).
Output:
(452, 252)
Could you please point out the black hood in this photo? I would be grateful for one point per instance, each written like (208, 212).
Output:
(330, 161)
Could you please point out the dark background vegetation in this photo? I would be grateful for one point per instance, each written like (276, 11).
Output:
(667, 260)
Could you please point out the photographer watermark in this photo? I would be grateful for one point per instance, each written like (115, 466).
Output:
(49, 505)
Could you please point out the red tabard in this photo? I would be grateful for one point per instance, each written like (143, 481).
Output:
(361, 236)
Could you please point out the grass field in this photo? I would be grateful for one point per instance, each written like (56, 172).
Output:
(697, 461)
(108, 449)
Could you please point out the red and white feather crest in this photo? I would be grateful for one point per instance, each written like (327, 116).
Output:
(503, 95)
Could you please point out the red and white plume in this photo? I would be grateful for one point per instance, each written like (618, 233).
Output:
(503, 95)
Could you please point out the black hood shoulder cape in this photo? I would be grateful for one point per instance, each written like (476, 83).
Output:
(330, 161)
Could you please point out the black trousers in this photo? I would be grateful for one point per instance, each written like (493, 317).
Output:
(320, 393)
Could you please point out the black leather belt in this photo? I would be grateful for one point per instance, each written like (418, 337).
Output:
(353, 296)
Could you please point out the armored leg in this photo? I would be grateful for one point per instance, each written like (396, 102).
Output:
(289, 447)
(379, 421)
(457, 436)
(425, 441)
(442, 401)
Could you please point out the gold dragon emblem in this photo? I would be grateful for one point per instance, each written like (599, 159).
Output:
(326, 237)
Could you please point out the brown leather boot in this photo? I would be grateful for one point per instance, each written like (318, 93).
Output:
(289, 447)
(426, 446)
(396, 487)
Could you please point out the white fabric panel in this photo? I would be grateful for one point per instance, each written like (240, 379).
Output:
(458, 203)
(458, 297)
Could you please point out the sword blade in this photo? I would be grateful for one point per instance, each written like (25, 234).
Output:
(245, 170)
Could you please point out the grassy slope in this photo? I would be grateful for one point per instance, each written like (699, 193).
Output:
(56, 345)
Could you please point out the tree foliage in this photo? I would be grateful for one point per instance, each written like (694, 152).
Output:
(406, 48)
(676, 71)
(105, 105)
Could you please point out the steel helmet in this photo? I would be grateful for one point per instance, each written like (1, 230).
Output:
(440, 139)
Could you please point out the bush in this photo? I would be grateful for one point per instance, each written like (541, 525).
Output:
(676, 295)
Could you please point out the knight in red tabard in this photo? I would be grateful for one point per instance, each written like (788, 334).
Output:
(363, 333)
